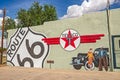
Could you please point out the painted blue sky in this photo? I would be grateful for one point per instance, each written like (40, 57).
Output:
(65, 8)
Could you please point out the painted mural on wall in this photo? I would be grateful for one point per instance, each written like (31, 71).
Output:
(27, 49)
(82, 60)
(30, 49)
(70, 39)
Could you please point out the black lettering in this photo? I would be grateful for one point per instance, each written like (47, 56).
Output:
(22, 32)
(31, 49)
(64, 35)
(22, 63)
(9, 53)
(75, 35)
(16, 42)
(13, 47)
(18, 36)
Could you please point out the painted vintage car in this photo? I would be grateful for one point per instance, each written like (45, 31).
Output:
(81, 60)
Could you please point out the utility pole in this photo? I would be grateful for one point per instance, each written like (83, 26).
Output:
(3, 22)
(109, 35)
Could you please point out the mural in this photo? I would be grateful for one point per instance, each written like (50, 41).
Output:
(82, 60)
(27, 49)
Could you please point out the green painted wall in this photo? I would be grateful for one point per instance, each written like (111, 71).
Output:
(92, 23)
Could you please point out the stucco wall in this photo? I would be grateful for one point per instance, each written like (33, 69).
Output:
(92, 23)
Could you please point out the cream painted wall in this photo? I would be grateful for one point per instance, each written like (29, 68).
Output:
(115, 22)
(93, 23)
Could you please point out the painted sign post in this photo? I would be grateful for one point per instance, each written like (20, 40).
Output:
(50, 62)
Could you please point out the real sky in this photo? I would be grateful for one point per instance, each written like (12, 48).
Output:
(65, 8)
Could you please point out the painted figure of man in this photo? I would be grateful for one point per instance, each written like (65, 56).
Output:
(102, 59)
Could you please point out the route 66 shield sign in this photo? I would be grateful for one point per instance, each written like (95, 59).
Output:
(27, 49)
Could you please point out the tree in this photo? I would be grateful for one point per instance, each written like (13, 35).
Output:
(36, 15)
(50, 13)
(23, 17)
(9, 24)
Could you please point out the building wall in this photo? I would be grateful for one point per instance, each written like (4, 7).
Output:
(92, 23)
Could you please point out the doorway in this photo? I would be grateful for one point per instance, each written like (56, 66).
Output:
(116, 51)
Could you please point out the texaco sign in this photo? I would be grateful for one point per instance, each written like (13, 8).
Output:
(70, 40)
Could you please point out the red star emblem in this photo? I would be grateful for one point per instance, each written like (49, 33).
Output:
(69, 40)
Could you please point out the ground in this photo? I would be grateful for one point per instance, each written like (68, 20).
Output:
(21, 73)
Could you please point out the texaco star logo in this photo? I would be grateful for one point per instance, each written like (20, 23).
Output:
(70, 40)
